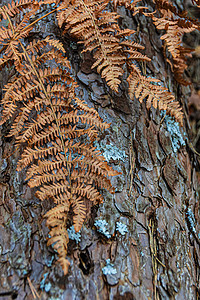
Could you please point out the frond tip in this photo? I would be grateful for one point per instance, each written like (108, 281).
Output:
(56, 221)
(155, 94)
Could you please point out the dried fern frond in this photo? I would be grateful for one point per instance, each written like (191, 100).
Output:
(131, 5)
(16, 7)
(176, 24)
(49, 2)
(88, 21)
(97, 29)
(47, 117)
(79, 210)
(150, 89)
(56, 220)
(11, 36)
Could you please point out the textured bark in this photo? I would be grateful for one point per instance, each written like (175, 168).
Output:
(156, 197)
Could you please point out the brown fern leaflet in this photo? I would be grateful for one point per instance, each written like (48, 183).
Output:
(131, 5)
(140, 86)
(59, 155)
(98, 30)
(150, 88)
(176, 24)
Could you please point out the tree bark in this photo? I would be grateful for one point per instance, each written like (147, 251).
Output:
(156, 197)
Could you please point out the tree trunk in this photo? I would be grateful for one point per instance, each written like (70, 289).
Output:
(155, 254)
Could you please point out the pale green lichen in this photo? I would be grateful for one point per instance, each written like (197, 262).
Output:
(49, 261)
(73, 235)
(42, 282)
(110, 151)
(102, 227)
(122, 228)
(191, 220)
(45, 285)
(109, 268)
(177, 137)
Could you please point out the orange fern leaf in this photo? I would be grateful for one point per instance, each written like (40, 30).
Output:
(79, 210)
(56, 221)
(97, 29)
(142, 87)
(131, 5)
(88, 21)
(15, 7)
(176, 24)
(47, 117)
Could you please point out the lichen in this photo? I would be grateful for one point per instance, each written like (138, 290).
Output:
(191, 220)
(110, 151)
(173, 128)
(42, 282)
(109, 268)
(102, 227)
(73, 235)
(49, 261)
(47, 287)
(122, 228)
(3, 165)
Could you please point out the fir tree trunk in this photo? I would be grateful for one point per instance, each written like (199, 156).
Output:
(148, 244)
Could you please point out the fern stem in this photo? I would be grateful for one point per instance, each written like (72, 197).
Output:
(34, 22)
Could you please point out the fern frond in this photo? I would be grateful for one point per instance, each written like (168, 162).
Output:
(49, 2)
(88, 22)
(21, 119)
(57, 212)
(16, 7)
(35, 46)
(47, 117)
(176, 24)
(100, 181)
(56, 221)
(45, 166)
(12, 35)
(88, 192)
(56, 44)
(50, 191)
(5, 34)
(97, 29)
(79, 210)
(39, 180)
(30, 154)
(142, 87)
(131, 5)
